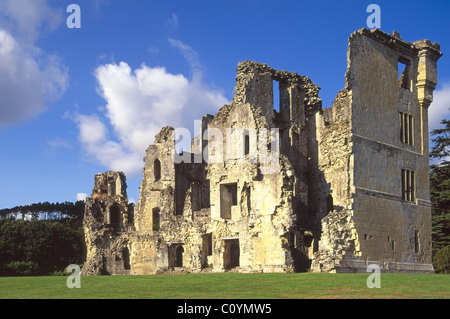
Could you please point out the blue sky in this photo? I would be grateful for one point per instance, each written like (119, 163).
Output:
(76, 102)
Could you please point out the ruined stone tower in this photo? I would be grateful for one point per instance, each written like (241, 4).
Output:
(283, 186)
(373, 152)
(105, 226)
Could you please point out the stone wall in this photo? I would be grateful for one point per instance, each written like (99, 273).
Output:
(383, 225)
(283, 186)
(106, 226)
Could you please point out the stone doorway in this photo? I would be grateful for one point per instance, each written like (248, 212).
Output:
(231, 254)
(176, 252)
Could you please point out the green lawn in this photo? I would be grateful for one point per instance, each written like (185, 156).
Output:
(229, 285)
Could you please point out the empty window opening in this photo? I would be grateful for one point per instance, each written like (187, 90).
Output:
(308, 242)
(156, 219)
(104, 187)
(231, 254)
(207, 249)
(176, 252)
(330, 203)
(404, 80)
(200, 195)
(205, 194)
(276, 95)
(406, 128)
(408, 185)
(179, 256)
(208, 242)
(196, 196)
(246, 143)
(126, 258)
(111, 186)
(114, 215)
(157, 169)
(228, 198)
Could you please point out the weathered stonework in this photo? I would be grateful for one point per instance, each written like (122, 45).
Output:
(105, 226)
(344, 187)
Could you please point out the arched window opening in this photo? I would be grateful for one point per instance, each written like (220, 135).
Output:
(126, 258)
(179, 256)
(156, 219)
(115, 217)
(246, 143)
(157, 169)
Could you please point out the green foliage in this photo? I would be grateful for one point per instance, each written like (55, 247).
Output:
(39, 247)
(440, 187)
(64, 272)
(441, 260)
(441, 148)
(21, 268)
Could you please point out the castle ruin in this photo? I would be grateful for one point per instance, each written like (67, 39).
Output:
(285, 186)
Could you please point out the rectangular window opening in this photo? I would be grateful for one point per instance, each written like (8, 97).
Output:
(408, 185)
(276, 95)
(228, 198)
(404, 80)
(406, 128)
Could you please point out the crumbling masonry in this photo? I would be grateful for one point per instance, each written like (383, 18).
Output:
(350, 186)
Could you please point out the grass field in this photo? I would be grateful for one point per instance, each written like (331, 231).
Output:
(228, 286)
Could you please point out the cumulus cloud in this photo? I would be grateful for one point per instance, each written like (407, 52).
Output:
(138, 104)
(25, 83)
(28, 19)
(81, 196)
(440, 108)
(29, 78)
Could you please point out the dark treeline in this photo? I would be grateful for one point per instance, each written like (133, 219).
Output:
(64, 210)
(30, 246)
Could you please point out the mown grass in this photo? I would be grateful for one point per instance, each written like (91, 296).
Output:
(228, 286)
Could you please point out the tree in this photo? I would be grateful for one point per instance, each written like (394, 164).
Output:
(441, 148)
(30, 246)
(66, 210)
(441, 260)
(39, 247)
(440, 187)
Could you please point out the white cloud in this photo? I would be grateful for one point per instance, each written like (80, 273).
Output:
(26, 84)
(59, 142)
(440, 108)
(81, 196)
(28, 19)
(29, 78)
(172, 22)
(138, 104)
(189, 54)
